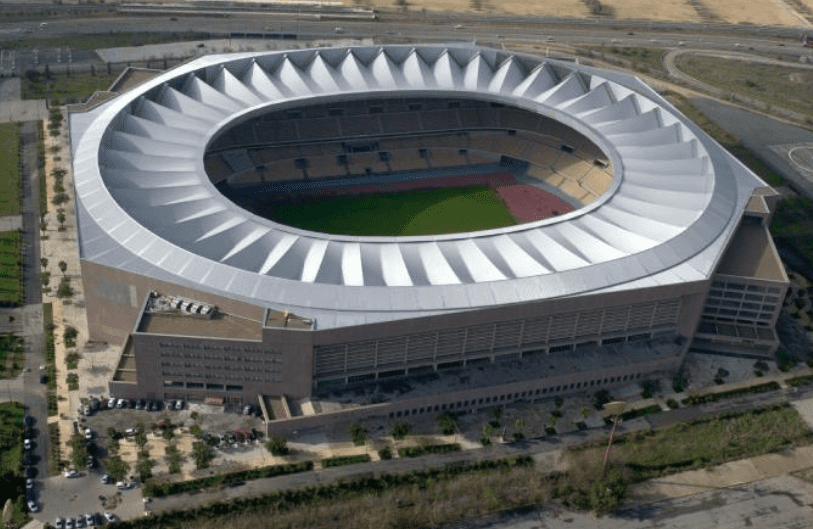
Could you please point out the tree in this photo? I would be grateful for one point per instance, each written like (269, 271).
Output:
(61, 218)
(63, 266)
(168, 434)
(400, 430)
(117, 468)
(358, 433)
(64, 290)
(278, 446)
(447, 423)
(45, 278)
(558, 401)
(70, 333)
(44, 261)
(144, 467)
(195, 430)
(202, 453)
(79, 454)
(141, 439)
(112, 432)
(606, 495)
(585, 412)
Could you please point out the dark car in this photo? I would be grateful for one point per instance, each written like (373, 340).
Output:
(154, 406)
(28, 420)
(43, 379)
(30, 472)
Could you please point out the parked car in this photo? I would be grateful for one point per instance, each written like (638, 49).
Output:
(110, 517)
(80, 521)
(71, 473)
(91, 462)
(88, 434)
(120, 404)
(32, 506)
(29, 483)
(247, 409)
(30, 472)
(139, 405)
(70, 523)
(178, 405)
(106, 479)
(154, 406)
(90, 519)
(27, 444)
(28, 420)
(122, 485)
(129, 432)
(111, 403)
(59, 523)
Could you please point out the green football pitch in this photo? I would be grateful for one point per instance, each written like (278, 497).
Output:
(422, 212)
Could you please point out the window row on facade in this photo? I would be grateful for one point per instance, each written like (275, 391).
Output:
(497, 338)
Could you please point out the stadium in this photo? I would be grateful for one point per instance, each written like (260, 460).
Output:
(340, 233)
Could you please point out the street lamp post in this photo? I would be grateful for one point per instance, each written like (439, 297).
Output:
(615, 409)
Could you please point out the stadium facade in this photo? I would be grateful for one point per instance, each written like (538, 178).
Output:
(666, 249)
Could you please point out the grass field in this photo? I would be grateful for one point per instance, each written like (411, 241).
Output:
(425, 212)
(702, 443)
(74, 87)
(777, 85)
(9, 169)
(105, 40)
(11, 459)
(11, 269)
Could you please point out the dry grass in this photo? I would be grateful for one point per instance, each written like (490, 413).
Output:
(783, 86)
(700, 444)
(440, 503)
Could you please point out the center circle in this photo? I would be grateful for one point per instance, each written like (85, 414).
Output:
(401, 166)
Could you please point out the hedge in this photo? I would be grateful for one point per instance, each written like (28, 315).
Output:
(417, 451)
(310, 495)
(694, 400)
(800, 381)
(166, 489)
(641, 412)
(345, 460)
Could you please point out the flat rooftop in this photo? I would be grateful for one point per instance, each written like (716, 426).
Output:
(218, 326)
(284, 318)
(751, 253)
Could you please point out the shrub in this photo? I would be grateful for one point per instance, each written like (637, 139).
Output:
(65, 290)
(117, 468)
(785, 361)
(695, 400)
(357, 433)
(345, 460)
(73, 381)
(641, 412)
(673, 404)
(485, 441)
(800, 381)
(649, 388)
(385, 453)
(400, 430)
(447, 423)
(195, 430)
(417, 451)
(600, 398)
(202, 453)
(278, 446)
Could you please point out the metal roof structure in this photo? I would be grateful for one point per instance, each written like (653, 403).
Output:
(146, 205)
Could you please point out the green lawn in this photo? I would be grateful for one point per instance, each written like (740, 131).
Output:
(425, 212)
(793, 224)
(63, 87)
(9, 169)
(11, 269)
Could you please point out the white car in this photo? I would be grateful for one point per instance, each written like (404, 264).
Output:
(27, 444)
(59, 523)
(32, 506)
(71, 474)
(122, 485)
(29, 483)
(111, 403)
(70, 523)
(88, 434)
(109, 516)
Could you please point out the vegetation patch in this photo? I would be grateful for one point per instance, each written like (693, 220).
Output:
(73, 382)
(417, 451)
(345, 460)
(641, 412)
(423, 212)
(61, 87)
(695, 400)
(410, 500)
(155, 488)
(90, 42)
(778, 85)
(795, 382)
(702, 443)
(10, 169)
(12, 349)
(11, 267)
(55, 462)
(12, 478)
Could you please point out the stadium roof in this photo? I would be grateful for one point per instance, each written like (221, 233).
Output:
(146, 205)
